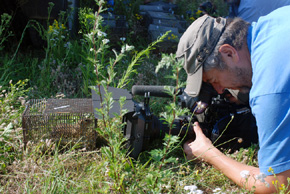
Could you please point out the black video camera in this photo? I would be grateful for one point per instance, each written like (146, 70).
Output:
(142, 126)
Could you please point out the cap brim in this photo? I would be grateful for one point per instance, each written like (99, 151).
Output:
(193, 83)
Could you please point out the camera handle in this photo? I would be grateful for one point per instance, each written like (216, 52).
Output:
(138, 123)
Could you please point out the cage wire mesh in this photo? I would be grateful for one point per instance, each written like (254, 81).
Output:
(65, 121)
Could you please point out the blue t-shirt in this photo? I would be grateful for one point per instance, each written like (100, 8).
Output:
(251, 10)
(269, 45)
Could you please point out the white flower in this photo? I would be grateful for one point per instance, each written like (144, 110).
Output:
(261, 177)
(217, 190)
(100, 34)
(245, 174)
(122, 38)
(123, 49)
(126, 48)
(129, 48)
(91, 49)
(191, 187)
(105, 41)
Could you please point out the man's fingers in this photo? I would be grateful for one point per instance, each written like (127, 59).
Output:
(188, 150)
(187, 142)
(196, 128)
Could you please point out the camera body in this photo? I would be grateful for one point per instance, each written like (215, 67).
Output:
(142, 127)
(212, 111)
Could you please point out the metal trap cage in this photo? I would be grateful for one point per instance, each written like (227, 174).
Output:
(65, 121)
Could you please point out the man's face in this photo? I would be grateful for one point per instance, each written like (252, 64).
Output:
(235, 78)
(237, 71)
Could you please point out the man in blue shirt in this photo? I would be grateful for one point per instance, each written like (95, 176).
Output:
(232, 54)
(243, 126)
(251, 10)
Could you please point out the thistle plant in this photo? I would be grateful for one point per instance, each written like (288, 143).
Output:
(110, 128)
(173, 111)
(95, 45)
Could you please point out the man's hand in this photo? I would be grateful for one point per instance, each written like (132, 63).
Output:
(202, 148)
(199, 146)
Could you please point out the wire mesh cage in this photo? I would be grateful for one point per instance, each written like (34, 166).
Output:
(65, 121)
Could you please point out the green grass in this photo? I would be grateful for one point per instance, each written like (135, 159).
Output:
(67, 67)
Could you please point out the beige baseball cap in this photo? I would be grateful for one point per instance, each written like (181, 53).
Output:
(194, 47)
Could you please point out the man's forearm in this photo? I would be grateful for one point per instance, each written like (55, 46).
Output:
(232, 169)
(202, 148)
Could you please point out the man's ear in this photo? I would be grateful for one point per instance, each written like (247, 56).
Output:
(229, 53)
